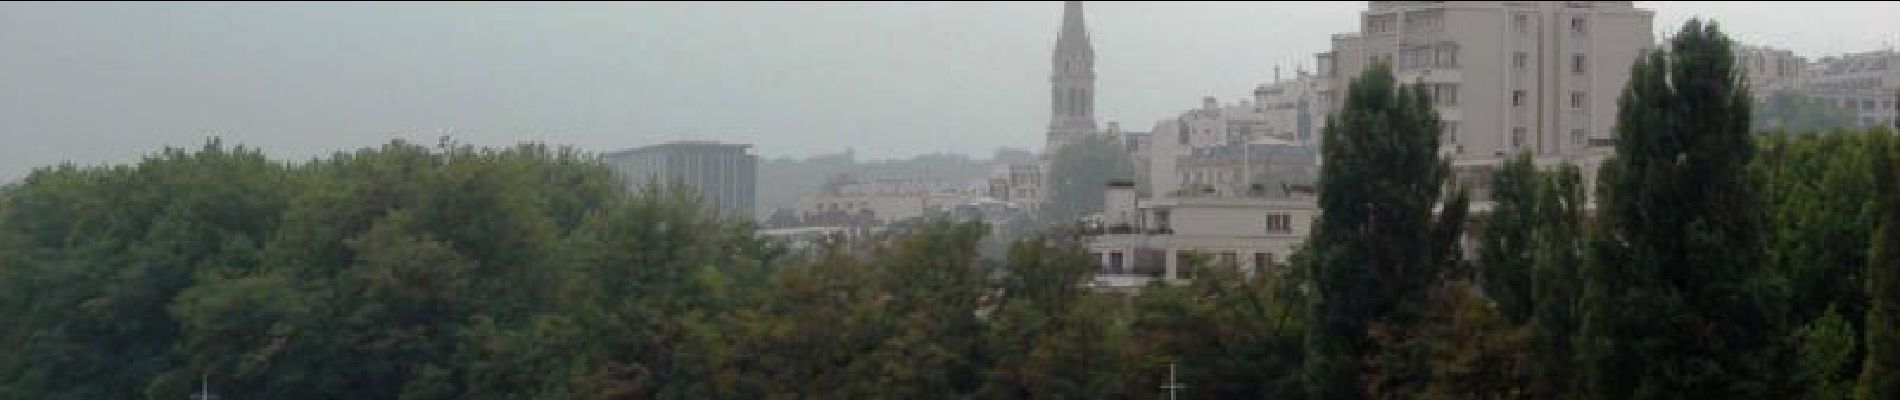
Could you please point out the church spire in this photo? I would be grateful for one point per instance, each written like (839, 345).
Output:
(1075, 34)
(1071, 80)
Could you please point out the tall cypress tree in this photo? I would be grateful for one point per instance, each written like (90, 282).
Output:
(1378, 245)
(1880, 369)
(1673, 306)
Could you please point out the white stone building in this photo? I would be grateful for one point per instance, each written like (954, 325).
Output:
(1507, 76)
(1139, 241)
(1866, 83)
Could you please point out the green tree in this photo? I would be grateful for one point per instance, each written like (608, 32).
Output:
(1675, 305)
(1505, 243)
(1077, 173)
(1789, 111)
(1378, 246)
(1880, 369)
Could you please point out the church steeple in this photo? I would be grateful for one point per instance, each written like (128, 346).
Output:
(1071, 81)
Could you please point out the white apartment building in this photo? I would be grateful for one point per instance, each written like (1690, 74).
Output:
(1770, 70)
(883, 201)
(1291, 109)
(1139, 241)
(1507, 76)
(1866, 83)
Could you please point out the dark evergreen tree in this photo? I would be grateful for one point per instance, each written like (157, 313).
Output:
(1378, 245)
(1880, 369)
(1675, 305)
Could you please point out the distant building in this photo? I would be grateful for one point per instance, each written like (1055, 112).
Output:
(1539, 77)
(1136, 241)
(725, 175)
(1865, 83)
(1770, 70)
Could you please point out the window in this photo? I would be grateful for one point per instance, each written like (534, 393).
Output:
(1262, 260)
(1576, 136)
(1445, 55)
(1576, 64)
(1115, 262)
(1577, 25)
(1279, 223)
(1517, 98)
(1451, 132)
(1576, 99)
(1521, 23)
(1517, 137)
(1227, 258)
(1519, 59)
(1161, 219)
(1443, 94)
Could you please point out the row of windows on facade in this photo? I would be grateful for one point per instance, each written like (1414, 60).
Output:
(1519, 136)
(1433, 20)
(1119, 265)
(1862, 104)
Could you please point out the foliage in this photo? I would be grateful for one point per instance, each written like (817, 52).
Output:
(1378, 246)
(1676, 304)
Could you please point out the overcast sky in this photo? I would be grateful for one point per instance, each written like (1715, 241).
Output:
(107, 82)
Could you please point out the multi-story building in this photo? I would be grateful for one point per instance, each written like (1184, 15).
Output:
(1137, 241)
(724, 174)
(1540, 77)
(1865, 83)
(882, 201)
(1291, 109)
(1770, 70)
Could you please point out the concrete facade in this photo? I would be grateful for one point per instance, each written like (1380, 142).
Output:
(1866, 83)
(1138, 241)
(724, 175)
(1507, 76)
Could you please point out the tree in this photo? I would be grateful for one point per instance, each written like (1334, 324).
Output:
(1077, 173)
(1880, 369)
(1505, 243)
(1675, 305)
(1378, 245)
(1789, 111)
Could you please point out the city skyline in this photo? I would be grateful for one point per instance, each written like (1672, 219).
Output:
(96, 83)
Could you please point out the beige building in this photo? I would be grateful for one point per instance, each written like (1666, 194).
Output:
(1866, 83)
(1770, 70)
(1138, 241)
(1507, 76)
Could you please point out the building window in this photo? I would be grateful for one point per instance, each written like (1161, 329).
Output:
(1262, 260)
(1576, 100)
(1578, 25)
(1443, 94)
(1115, 262)
(1519, 59)
(1576, 136)
(1517, 98)
(1161, 219)
(1576, 64)
(1183, 266)
(1517, 137)
(1445, 55)
(1521, 23)
(1451, 132)
(1279, 223)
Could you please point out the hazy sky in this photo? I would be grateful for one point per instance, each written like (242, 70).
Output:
(107, 82)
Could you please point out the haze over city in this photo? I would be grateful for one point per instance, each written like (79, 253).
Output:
(105, 82)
